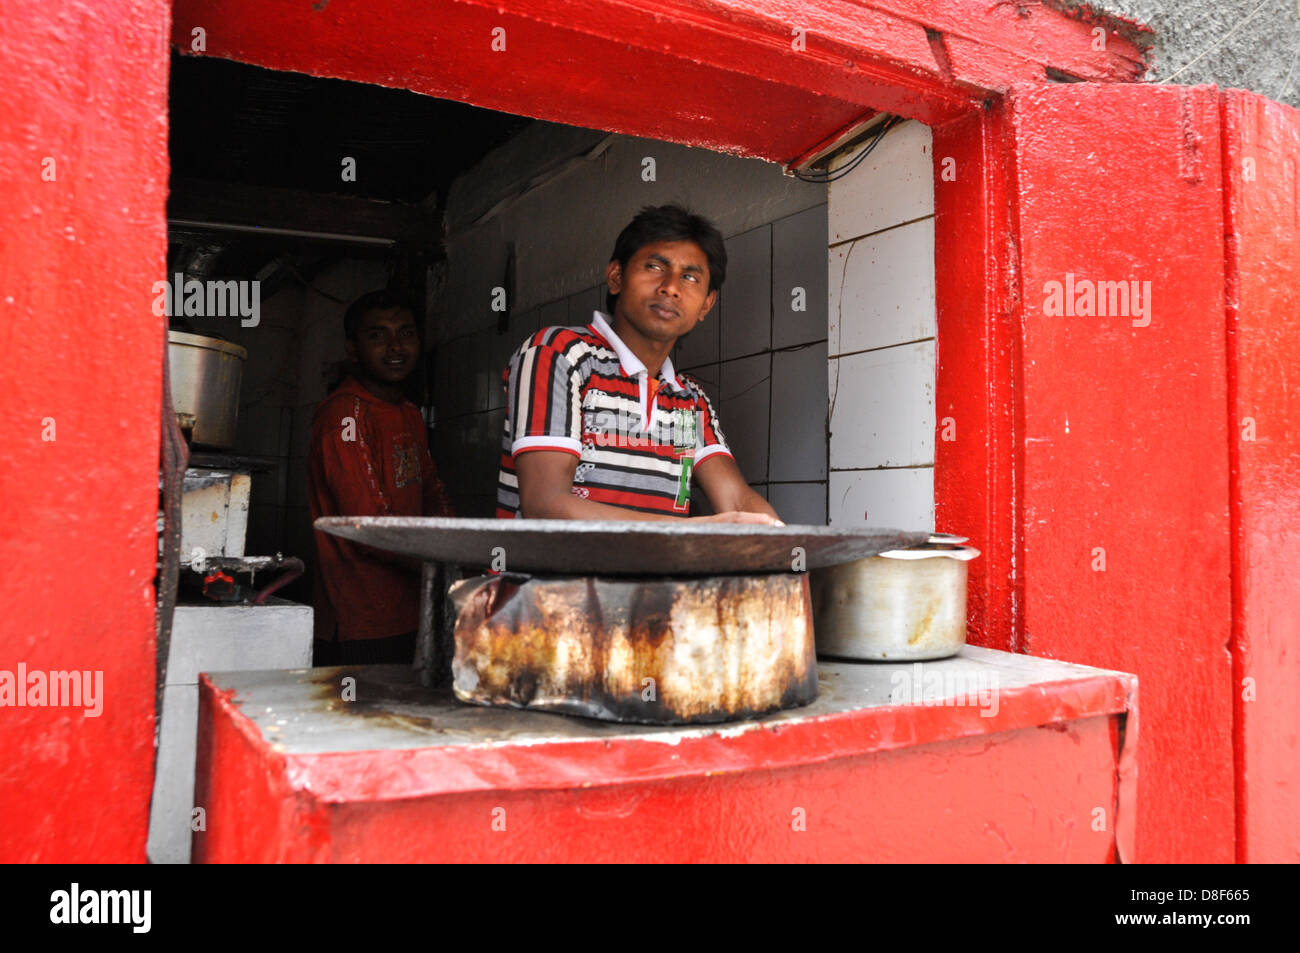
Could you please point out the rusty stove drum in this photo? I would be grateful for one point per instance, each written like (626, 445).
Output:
(656, 651)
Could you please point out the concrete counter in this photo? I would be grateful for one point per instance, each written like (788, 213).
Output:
(986, 756)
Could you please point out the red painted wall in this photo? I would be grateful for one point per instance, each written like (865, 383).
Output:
(977, 401)
(1124, 435)
(1143, 472)
(723, 75)
(86, 85)
(1020, 797)
(1261, 148)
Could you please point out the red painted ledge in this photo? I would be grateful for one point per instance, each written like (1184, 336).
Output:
(397, 743)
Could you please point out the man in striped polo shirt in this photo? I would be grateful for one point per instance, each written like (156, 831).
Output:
(598, 423)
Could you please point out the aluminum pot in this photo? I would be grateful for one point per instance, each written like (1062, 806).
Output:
(205, 375)
(903, 605)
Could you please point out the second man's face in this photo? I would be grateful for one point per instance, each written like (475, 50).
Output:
(387, 345)
(664, 291)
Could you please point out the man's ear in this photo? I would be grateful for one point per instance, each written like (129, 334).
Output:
(709, 302)
(614, 276)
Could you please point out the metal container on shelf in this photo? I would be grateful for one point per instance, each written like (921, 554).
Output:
(205, 378)
(901, 605)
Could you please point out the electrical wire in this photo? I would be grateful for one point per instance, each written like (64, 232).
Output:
(825, 178)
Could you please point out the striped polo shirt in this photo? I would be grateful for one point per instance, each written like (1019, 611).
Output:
(637, 438)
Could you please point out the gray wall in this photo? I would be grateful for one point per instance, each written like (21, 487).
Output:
(291, 353)
(268, 389)
(1241, 44)
(561, 196)
(320, 350)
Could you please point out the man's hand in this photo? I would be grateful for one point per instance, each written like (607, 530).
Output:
(729, 494)
(763, 519)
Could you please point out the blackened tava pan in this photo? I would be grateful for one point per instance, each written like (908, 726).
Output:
(626, 548)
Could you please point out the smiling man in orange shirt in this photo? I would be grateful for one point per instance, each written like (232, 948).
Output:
(370, 457)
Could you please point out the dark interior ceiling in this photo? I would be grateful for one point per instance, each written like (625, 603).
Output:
(241, 133)
(231, 122)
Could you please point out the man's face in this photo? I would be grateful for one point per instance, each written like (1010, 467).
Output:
(386, 345)
(664, 291)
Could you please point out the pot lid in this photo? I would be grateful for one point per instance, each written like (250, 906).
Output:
(931, 550)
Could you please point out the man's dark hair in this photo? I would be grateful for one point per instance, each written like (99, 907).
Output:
(372, 301)
(670, 223)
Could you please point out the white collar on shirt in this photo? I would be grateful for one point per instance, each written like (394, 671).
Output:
(632, 365)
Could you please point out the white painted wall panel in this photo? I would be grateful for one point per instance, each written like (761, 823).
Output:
(895, 499)
(882, 289)
(882, 408)
(895, 184)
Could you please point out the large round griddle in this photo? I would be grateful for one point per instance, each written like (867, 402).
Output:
(620, 548)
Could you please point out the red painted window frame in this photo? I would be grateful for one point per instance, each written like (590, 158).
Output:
(974, 486)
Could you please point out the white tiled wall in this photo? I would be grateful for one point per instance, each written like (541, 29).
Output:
(761, 356)
(881, 336)
(747, 294)
(899, 499)
(882, 288)
(894, 184)
(761, 353)
(882, 408)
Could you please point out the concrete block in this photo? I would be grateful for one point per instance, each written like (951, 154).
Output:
(211, 639)
(171, 809)
(214, 513)
(220, 638)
